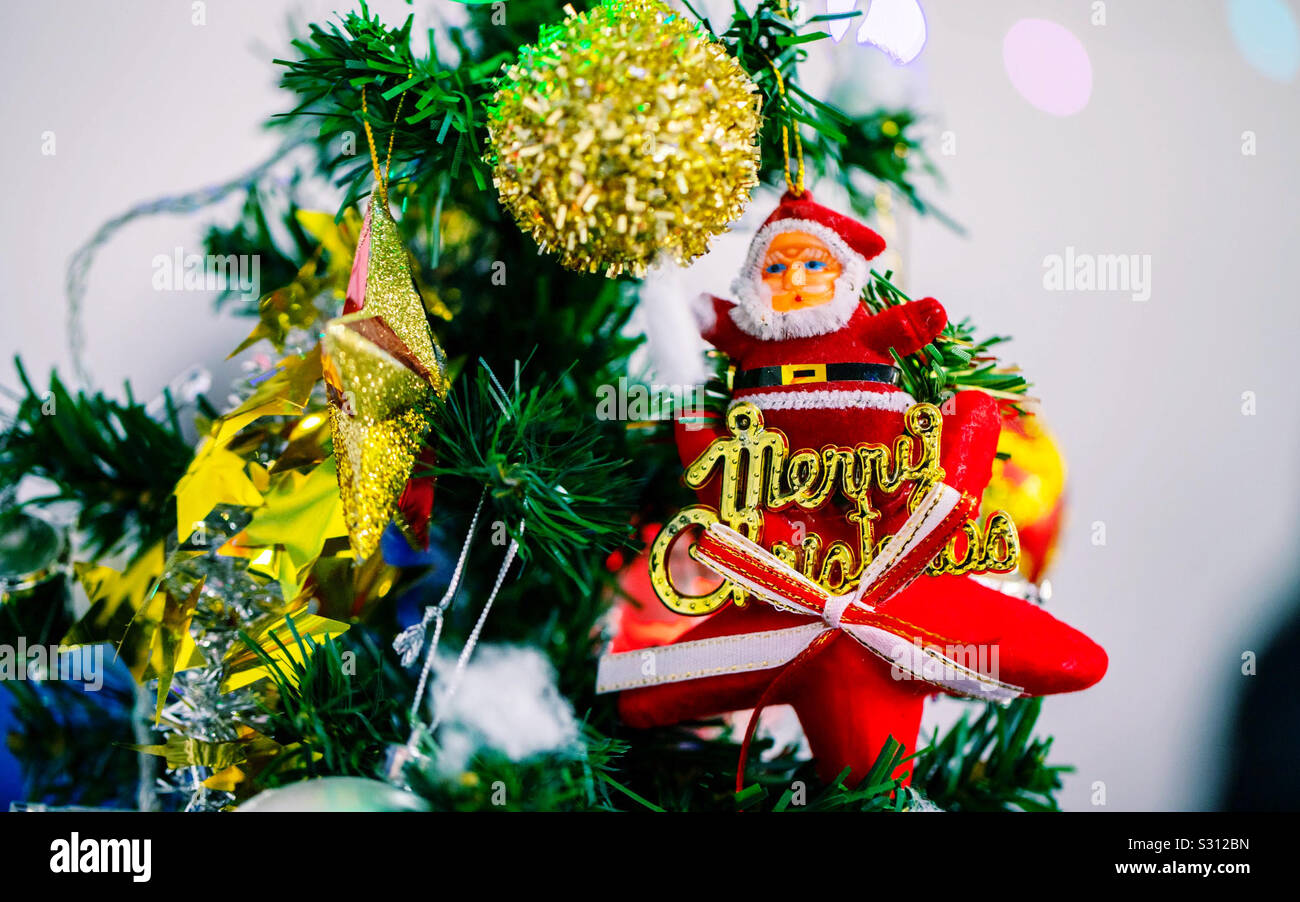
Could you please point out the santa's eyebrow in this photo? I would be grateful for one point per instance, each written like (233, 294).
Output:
(784, 253)
(814, 253)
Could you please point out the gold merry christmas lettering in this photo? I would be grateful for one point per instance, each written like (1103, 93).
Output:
(758, 473)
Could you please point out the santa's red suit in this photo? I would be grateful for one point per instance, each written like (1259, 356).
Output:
(825, 376)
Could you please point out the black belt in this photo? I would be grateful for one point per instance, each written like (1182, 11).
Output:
(802, 373)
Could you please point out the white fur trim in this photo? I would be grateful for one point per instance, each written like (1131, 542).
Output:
(702, 310)
(753, 313)
(830, 399)
(664, 313)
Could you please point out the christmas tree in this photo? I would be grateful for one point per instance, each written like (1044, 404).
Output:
(398, 553)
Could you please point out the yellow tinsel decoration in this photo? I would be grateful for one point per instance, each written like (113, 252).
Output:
(625, 131)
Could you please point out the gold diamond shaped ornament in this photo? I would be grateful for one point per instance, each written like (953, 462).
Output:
(385, 371)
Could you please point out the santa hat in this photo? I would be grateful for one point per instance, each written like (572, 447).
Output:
(849, 241)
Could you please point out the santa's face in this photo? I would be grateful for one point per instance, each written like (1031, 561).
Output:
(800, 272)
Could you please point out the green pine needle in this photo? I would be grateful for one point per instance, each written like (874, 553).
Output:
(114, 461)
(542, 465)
(957, 360)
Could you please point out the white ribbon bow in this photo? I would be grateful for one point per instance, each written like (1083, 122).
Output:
(767, 649)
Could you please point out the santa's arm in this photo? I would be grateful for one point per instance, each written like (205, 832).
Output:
(713, 317)
(906, 328)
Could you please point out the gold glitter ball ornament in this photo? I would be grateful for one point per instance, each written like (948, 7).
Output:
(625, 131)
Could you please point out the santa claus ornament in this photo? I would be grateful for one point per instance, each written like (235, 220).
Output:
(842, 516)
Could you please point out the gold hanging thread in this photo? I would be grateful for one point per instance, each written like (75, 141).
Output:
(381, 178)
(796, 187)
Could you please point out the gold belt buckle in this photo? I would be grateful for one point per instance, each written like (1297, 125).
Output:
(797, 373)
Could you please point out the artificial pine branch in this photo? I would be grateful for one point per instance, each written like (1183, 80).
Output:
(440, 137)
(579, 780)
(992, 763)
(956, 361)
(252, 237)
(333, 716)
(837, 144)
(113, 460)
(541, 467)
(442, 124)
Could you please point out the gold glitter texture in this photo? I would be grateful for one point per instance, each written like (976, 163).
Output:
(384, 369)
(391, 294)
(625, 131)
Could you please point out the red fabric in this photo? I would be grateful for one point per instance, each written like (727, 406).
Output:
(865, 338)
(1038, 540)
(971, 423)
(846, 698)
(862, 240)
(416, 502)
(848, 701)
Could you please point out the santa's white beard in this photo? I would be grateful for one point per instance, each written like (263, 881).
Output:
(753, 313)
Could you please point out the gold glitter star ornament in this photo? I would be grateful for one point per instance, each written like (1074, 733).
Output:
(625, 131)
(384, 371)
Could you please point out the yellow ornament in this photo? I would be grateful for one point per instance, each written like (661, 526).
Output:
(216, 476)
(384, 370)
(219, 475)
(1029, 483)
(147, 625)
(293, 306)
(288, 533)
(625, 131)
(116, 601)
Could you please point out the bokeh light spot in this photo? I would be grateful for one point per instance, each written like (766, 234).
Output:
(1266, 34)
(1048, 66)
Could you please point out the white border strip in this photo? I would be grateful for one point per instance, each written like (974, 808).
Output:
(829, 399)
(704, 657)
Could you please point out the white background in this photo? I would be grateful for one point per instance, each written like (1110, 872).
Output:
(1198, 501)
